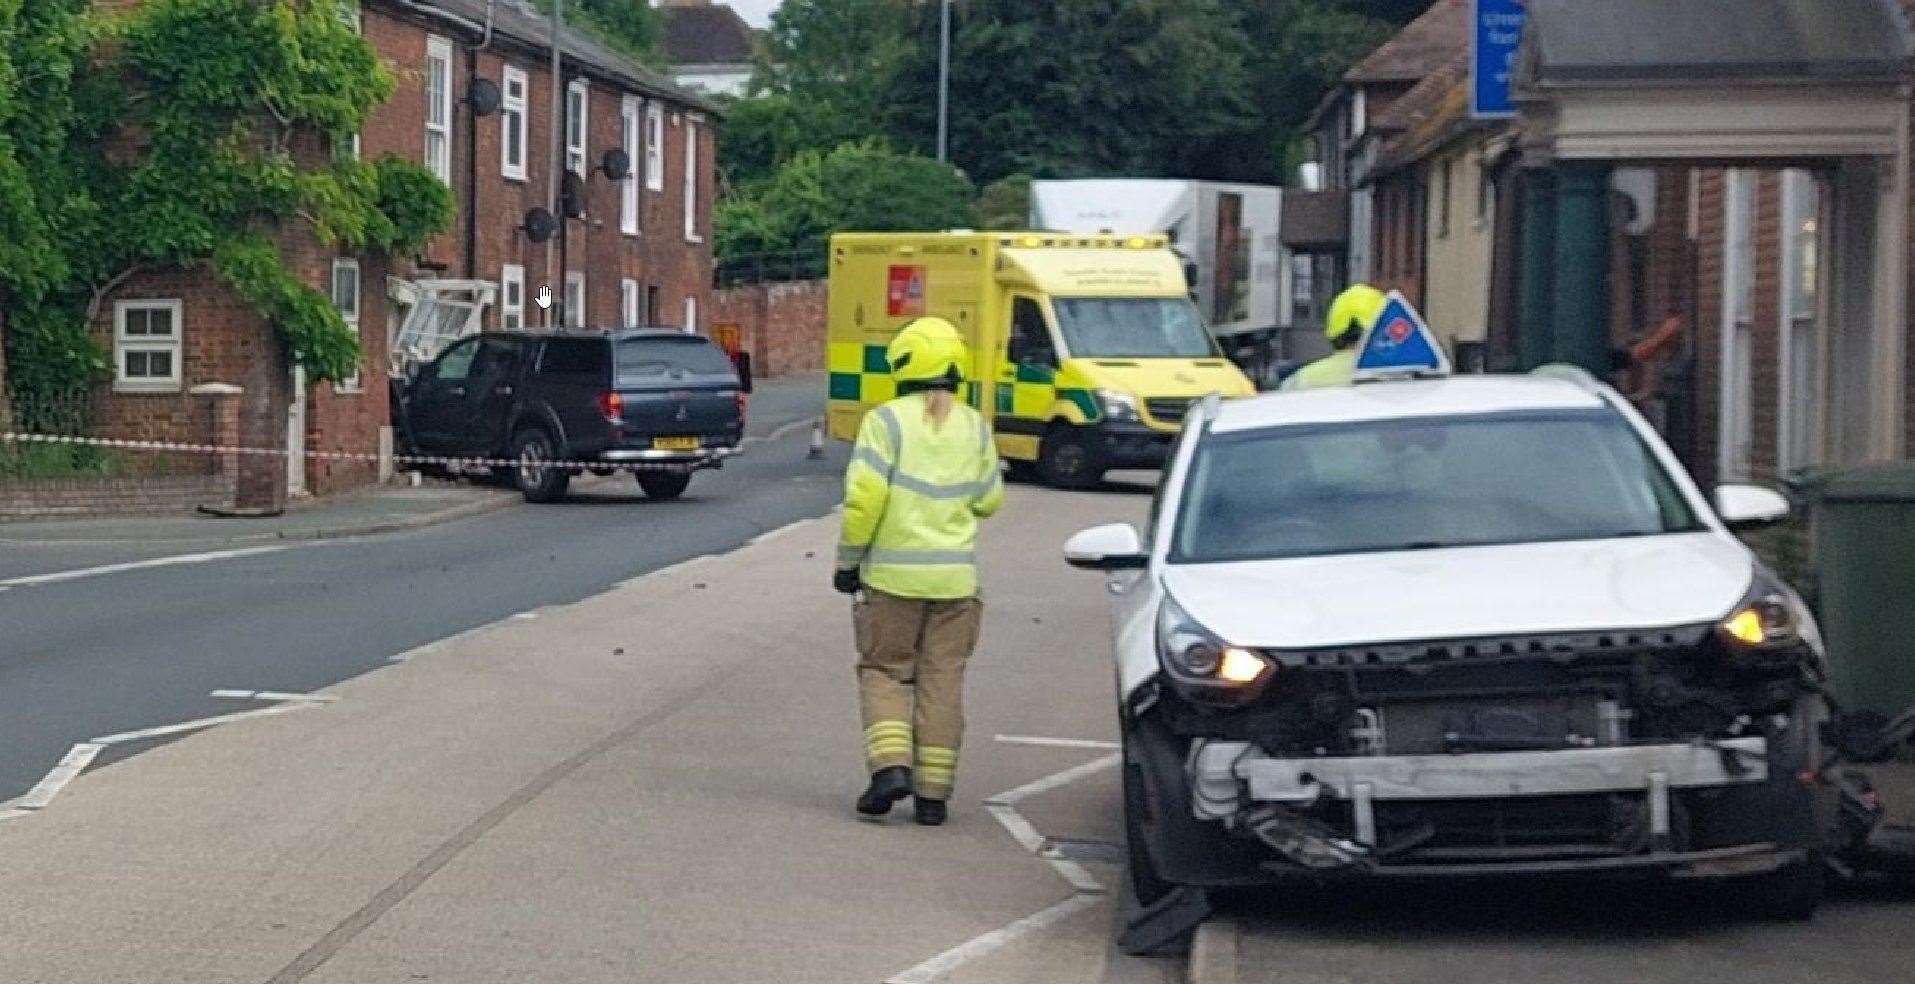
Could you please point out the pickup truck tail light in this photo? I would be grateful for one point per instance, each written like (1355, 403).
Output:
(611, 406)
(744, 403)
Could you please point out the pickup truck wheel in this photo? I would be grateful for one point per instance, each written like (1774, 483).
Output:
(663, 486)
(1066, 460)
(538, 483)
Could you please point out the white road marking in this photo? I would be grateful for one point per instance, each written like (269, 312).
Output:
(71, 765)
(525, 616)
(274, 696)
(1051, 782)
(140, 565)
(199, 724)
(778, 433)
(1058, 742)
(997, 939)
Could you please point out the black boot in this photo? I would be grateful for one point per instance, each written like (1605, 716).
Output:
(932, 813)
(887, 787)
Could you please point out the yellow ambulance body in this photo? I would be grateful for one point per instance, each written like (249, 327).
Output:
(1087, 350)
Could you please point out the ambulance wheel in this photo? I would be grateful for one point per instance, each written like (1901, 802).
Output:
(1020, 471)
(1066, 459)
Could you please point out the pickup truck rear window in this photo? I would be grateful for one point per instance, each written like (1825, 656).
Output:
(638, 357)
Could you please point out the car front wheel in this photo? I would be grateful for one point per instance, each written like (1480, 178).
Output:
(539, 482)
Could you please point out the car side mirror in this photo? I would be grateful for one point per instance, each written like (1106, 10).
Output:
(1745, 506)
(1115, 547)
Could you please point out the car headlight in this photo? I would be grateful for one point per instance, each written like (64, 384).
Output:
(1117, 406)
(1769, 618)
(1204, 665)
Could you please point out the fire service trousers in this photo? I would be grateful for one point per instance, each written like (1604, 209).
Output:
(911, 659)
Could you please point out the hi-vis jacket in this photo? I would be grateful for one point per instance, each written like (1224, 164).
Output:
(1335, 369)
(912, 498)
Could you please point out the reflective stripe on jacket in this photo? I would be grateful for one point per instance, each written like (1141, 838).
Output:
(1335, 369)
(912, 498)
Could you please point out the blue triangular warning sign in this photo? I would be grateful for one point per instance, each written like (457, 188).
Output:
(1399, 344)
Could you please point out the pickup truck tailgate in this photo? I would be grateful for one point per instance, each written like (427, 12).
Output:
(671, 388)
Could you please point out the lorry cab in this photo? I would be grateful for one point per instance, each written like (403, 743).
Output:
(1087, 349)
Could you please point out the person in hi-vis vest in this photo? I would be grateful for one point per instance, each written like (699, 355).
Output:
(1351, 313)
(923, 473)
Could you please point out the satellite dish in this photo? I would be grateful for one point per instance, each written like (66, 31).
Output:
(483, 96)
(572, 196)
(540, 225)
(616, 164)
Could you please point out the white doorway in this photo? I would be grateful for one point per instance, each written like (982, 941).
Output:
(1735, 426)
(296, 434)
(1799, 376)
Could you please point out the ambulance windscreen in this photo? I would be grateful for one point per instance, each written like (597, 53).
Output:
(1132, 328)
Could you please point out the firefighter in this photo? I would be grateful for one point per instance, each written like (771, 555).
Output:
(923, 473)
(1353, 311)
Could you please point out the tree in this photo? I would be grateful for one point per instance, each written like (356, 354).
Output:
(1005, 204)
(1137, 83)
(837, 57)
(863, 187)
(630, 26)
(763, 132)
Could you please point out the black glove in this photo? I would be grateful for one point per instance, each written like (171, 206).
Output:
(846, 581)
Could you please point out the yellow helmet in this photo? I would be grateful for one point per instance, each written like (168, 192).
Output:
(1354, 310)
(927, 349)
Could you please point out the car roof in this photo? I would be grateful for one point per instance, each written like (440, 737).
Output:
(601, 334)
(1454, 396)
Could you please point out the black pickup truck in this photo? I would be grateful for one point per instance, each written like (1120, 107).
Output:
(659, 404)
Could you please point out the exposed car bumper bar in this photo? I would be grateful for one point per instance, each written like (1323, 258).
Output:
(634, 456)
(1227, 776)
(1724, 862)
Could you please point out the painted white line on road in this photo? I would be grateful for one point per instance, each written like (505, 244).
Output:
(1051, 782)
(140, 565)
(199, 724)
(990, 942)
(778, 433)
(1019, 828)
(1107, 746)
(525, 616)
(274, 696)
(71, 765)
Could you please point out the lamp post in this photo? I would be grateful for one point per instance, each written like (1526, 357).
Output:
(944, 80)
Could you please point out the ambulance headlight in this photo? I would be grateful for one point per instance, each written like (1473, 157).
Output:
(1771, 618)
(1203, 666)
(1117, 406)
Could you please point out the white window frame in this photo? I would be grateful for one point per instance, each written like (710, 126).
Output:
(628, 121)
(691, 183)
(124, 345)
(576, 153)
(439, 60)
(691, 314)
(354, 383)
(575, 304)
(628, 303)
(1735, 423)
(512, 297)
(1359, 113)
(355, 19)
(654, 147)
(513, 108)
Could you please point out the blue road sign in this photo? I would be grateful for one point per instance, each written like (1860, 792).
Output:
(1498, 30)
(1399, 344)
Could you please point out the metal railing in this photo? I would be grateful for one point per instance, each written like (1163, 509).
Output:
(66, 412)
(769, 268)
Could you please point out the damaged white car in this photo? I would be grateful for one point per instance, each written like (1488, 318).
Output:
(1450, 627)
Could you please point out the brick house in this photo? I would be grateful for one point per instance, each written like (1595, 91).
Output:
(1719, 227)
(640, 253)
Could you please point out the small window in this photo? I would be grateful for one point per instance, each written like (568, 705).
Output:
(1485, 192)
(659, 355)
(575, 300)
(628, 188)
(655, 147)
(1029, 333)
(575, 123)
(652, 309)
(628, 302)
(146, 345)
(349, 15)
(439, 108)
(691, 184)
(1359, 114)
(1444, 177)
(574, 357)
(511, 297)
(512, 124)
(455, 364)
(345, 298)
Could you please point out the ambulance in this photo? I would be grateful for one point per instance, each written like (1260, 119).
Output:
(1087, 351)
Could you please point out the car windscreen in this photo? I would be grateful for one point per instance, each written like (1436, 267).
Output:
(1132, 328)
(641, 358)
(1423, 483)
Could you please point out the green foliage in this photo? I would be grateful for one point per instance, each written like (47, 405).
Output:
(630, 27)
(1005, 204)
(187, 132)
(864, 186)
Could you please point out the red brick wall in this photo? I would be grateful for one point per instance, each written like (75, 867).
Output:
(782, 325)
(1398, 237)
(1710, 254)
(61, 499)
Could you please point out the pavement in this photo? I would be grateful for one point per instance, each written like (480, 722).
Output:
(649, 784)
